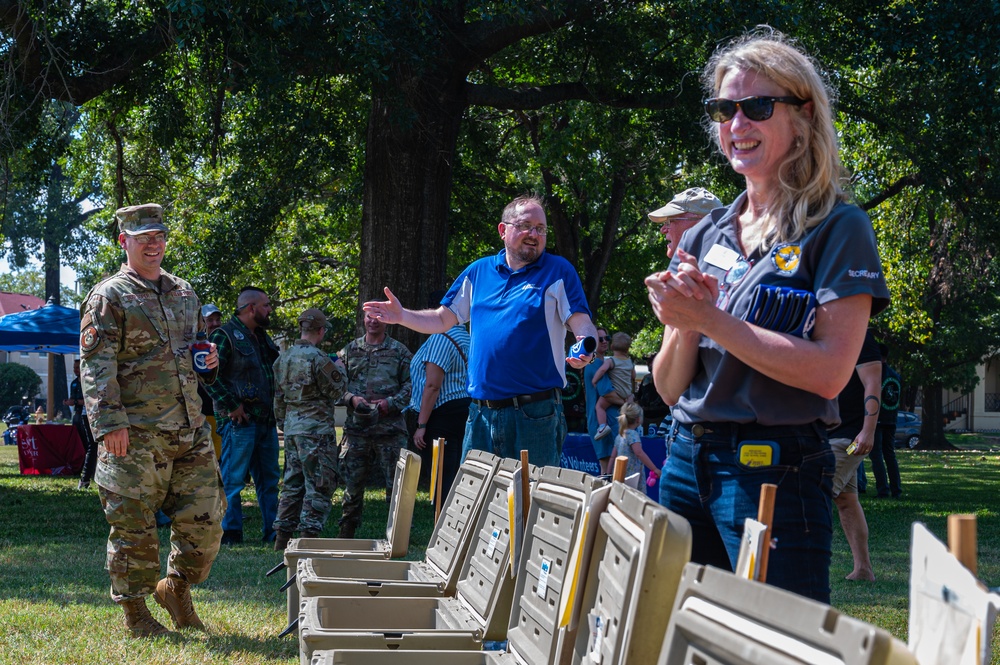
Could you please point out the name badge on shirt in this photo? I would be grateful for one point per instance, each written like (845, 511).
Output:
(721, 257)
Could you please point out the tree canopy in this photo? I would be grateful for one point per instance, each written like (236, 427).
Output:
(324, 149)
(16, 382)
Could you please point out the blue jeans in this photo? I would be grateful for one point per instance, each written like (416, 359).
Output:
(538, 427)
(250, 448)
(704, 482)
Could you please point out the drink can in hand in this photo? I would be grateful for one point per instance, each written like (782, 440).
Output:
(199, 353)
(583, 347)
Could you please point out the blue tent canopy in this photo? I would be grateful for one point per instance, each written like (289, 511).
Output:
(50, 328)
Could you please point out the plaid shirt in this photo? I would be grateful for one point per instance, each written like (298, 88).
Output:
(225, 401)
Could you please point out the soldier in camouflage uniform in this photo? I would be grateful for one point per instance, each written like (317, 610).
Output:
(155, 452)
(307, 385)
(378, 384)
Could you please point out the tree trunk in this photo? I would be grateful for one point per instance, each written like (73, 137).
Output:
(932, 417)
(407, 193)
(57, 389)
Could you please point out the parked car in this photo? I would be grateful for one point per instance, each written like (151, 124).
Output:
(907, 429)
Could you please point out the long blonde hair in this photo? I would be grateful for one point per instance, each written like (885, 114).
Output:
(630, 413)
(810, 176)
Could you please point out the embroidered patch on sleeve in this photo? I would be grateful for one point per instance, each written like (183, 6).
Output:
(89, 339)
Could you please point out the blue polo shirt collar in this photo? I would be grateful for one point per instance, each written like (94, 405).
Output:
(501, 263)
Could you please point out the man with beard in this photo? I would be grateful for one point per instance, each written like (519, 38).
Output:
(378, 389)
(521, 303)
(244, 404)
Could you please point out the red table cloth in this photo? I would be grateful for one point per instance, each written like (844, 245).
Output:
(49, 450)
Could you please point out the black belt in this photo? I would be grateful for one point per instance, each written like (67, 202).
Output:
(742, 431)
(515, 401)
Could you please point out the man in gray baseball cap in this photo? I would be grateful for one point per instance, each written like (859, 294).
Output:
(683, 212)
(212, 316)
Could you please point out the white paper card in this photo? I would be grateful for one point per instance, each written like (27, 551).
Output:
(751, 550)
(543, 578)
(492, 546)
(721, 257)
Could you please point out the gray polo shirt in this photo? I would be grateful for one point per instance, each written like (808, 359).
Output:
(835, 259)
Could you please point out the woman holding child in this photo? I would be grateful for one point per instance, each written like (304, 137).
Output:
(753, 401)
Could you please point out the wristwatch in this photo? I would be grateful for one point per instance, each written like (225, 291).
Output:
(421, 425)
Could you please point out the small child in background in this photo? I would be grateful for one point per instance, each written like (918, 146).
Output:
(629, 441)
(621, 370)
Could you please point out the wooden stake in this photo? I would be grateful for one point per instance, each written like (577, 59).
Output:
(438, 454)
(525, 488)
(618, 474)
(765, 515)
(962, 540)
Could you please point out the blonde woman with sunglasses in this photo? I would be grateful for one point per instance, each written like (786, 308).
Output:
(752, 402)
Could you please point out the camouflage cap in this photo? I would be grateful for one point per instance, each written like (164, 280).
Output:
(366, 415)
(696, 200)
(142, 218)
(313, 318)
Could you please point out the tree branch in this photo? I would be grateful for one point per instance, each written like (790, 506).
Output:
(530, 98)
(912, 180)
(43, 67)
(481, 39)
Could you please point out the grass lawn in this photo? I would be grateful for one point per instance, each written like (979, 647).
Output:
(54, 604)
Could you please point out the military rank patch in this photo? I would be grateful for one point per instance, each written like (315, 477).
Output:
(89, 339)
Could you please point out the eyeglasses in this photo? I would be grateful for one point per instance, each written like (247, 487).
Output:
(523, 227)
(754, 108)
(146, 238)
(604, 339)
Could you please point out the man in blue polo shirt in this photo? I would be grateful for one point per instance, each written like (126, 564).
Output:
(520, 303)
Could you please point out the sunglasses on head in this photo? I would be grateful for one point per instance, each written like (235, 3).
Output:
(754, 108)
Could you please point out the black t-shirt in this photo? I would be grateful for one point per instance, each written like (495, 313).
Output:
(892, 393)
(852, 398)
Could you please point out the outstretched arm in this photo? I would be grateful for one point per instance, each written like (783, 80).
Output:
(427, 321)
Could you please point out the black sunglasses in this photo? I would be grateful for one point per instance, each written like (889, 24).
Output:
(754, 108)
(604, 338)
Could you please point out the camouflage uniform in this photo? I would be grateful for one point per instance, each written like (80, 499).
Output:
(373, 372)
(137, 373)
(307, 387)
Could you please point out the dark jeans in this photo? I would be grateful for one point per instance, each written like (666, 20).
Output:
(704, 482)
(446, 422)
(885, 468)
(82, 425)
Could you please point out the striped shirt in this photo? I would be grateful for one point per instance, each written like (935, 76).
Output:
(438, 350)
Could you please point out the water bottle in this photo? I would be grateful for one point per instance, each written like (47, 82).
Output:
(199, 352)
